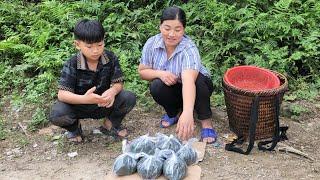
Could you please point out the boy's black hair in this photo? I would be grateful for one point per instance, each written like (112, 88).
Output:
(89, 31)
(173, 13)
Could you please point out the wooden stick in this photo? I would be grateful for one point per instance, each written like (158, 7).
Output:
(23, 129)
(286, 148)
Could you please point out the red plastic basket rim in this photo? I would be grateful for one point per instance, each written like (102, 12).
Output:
(267, 71)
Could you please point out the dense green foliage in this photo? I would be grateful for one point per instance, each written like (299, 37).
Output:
(36, 38)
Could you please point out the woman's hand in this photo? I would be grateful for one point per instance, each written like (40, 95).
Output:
(185, 126)
(147, 73)
(168, 78)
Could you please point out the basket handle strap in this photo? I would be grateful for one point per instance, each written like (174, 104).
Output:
(252, 130)
(276, 136)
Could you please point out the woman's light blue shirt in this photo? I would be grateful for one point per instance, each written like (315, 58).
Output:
(185, 56)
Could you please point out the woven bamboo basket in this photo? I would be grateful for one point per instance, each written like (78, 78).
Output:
(239, 104)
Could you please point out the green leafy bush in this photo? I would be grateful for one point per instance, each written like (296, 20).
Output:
(36, 39)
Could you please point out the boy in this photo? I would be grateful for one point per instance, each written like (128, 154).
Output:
(91, 86)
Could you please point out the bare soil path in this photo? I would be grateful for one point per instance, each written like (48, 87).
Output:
(45, 156)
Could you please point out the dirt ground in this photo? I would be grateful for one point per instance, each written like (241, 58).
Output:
(45, 154)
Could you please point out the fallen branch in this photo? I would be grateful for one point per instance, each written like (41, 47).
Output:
(286, 148)
(57, 170)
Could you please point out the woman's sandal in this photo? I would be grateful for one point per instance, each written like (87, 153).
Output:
(209, 133)
(170, 121)
(114, 132)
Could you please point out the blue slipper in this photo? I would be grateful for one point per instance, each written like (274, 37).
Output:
(170, 121)
(209, 132)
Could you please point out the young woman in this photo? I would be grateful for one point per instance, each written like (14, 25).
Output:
(179, 82)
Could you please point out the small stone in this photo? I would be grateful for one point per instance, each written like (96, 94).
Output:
(230, 137)
(311, 176)
(96, 131)
(16, 150)
(55, 143)
(216, 144)
(95, 140)
(46, 131)
(9, 153)
(35, 145)
(73, 154)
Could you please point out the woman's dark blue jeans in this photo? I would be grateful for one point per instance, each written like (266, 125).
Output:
(170, 97)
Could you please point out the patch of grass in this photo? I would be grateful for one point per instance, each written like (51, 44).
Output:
(62, 145)
(303, 91)
(289, 97)
(21, 140)
(217, 100)
(3, 132)
(114, 147)
(39, 120)
(297, 110)
(59, 140)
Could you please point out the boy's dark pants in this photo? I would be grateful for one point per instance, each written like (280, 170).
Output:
(67, 115)
(170, 97)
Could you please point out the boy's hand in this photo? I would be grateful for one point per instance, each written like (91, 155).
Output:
(92, 98)
(109, 97)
